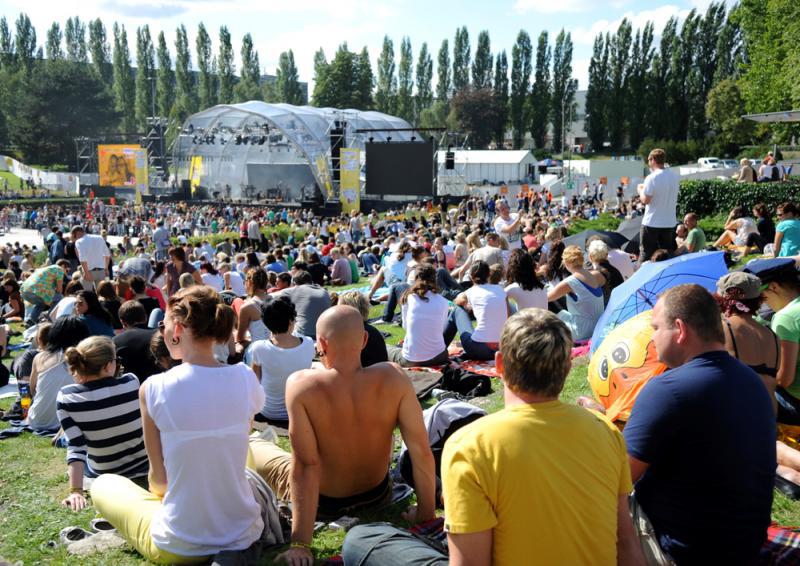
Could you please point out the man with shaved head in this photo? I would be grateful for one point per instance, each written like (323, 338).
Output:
(341, 425)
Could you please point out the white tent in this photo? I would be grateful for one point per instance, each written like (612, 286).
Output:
(478, 167)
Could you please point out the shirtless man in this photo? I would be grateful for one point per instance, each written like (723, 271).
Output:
(341, 423)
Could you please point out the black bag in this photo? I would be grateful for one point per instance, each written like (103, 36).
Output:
(466, 383)
(776, 173)
(4, 375)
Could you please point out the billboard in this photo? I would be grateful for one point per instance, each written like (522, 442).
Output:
(122, 166)
(404, 168)
(350, 179)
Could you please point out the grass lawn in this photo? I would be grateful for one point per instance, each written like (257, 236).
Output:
(33, 481)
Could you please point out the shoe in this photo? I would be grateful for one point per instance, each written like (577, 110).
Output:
(787, 487)
(101, 525)
(69, 535)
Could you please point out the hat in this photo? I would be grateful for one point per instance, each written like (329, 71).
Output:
(747, 283)
(767, 269)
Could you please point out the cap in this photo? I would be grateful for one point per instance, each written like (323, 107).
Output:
(747, 283)
(767, 269)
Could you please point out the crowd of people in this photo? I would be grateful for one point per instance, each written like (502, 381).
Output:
(152, 359)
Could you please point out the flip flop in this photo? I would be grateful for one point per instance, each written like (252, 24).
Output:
(101, 525)
(69, 535)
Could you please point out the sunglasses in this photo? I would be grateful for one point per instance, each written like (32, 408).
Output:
(161, 327)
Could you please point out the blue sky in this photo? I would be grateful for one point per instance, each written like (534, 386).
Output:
(306, 25)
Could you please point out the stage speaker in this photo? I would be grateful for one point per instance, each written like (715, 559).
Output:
(186, 189)
(337, 143)
(450, 160)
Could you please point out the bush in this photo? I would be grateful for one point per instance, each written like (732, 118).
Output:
(606, 221)
(678, 152)
(709, 197)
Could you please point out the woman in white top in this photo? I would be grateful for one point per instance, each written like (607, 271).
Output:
(196, 420)
(489, 306)
(49, 372)
(211, 277)
(275, 359)
(584, 292)
(524, 291)
(424, 314)
(234, 282)
(738, 227)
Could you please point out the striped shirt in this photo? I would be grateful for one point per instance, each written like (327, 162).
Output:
(103, 426)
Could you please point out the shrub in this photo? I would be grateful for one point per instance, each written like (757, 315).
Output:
(606, 221)
(709, 197)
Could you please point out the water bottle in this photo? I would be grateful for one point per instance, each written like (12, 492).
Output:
(25, 399)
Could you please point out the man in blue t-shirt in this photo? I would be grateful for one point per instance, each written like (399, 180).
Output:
(701, 439)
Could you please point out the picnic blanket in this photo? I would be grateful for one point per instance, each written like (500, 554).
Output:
(782, 546)
(18, 427)
(10, 390)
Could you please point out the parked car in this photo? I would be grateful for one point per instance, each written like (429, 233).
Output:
(709, 163)
(730, 163)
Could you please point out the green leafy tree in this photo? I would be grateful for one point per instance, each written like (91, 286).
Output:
(145, 73)
(704, 67)
(185, 91)
(405, 82)
(341, 80)
(52, 45)
(443, 82)
(641, 56)
(476, 112)
(249, 84)
(658, 97)
(25, 42)
(100, 51)
(724, 111)
(461, 58)
(124, 86)
(165, 87)
(287, 83)
(227, 67)
(320, 78)
(482, 65)
(7, 54)
(205, 78)
(682, 75)
(520, 84)
(539, 107)
(386, 91)
(60, 100)
(75, 39)
(564, 87)
(500, 98)
(424, 97)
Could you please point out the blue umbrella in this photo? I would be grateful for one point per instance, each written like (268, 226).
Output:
(641, 291)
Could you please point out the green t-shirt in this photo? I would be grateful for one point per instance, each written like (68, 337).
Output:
(696, 240)
(786, 324)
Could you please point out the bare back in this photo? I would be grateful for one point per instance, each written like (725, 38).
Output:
(353, 418)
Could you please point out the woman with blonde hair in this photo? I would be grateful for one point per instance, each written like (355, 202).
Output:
(584, 292)
(196, 419)
(100, 417)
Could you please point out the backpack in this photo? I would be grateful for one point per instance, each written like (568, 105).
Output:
(776, 172)
(441, 421)
(466, 383)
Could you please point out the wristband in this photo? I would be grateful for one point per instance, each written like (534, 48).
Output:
(76, 490)
(300, 545)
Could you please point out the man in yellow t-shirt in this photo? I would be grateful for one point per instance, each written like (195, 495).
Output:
(538, 482)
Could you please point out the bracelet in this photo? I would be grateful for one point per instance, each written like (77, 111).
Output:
(76, 490)
(300, 545)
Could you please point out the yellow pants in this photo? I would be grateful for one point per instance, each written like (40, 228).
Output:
(272, 463)
(130, 509)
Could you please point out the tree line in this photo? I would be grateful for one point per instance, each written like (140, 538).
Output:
(691, 88)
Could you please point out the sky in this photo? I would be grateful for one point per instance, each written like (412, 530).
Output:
(306, 25)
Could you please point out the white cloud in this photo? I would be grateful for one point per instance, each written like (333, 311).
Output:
(552, 7)
(658, 16)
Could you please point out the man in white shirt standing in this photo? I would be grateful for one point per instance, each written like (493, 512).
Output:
(93, 254)
(659, 194)
(508, 225)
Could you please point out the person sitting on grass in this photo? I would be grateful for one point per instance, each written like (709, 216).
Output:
(96, 317)
(583, 290)
(338, 465)
(374, 351)
(738, 228)
(488, 304)
(49, 372)
(196, 419)
(424, 313)
(100, 418)
(523, 287)
(278, 357)
(341, 273)
(537, 482)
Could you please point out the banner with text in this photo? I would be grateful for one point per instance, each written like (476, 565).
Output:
(350, 179)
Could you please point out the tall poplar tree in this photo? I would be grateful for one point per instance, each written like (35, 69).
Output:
(205, 79)
(520, 84)
(145, 74)
(501, 98)
(75, 40)
(405, 82)
(165, 86)
(539, 108)
(461, 59)
(100, 51)
(52, 46)
(424, 76)
(185, 91)
(597, 94)
(443, 82)
(249, 87)
(227, 67)
(124, 86)
(482, 65)
(564, 87)
(25, 42)
(386, 88)
(287, 83)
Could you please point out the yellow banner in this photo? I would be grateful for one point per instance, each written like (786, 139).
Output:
(350, 179)
(322, 170)
(195, 171)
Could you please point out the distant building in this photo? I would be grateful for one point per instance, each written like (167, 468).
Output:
(574, 134)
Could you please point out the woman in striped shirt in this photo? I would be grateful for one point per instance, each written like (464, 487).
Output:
(100, 417)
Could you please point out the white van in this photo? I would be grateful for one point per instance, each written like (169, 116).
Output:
(709, 163)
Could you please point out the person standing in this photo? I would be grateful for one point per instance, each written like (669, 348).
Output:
(508, 225)
(161, 240)
(93, 255)
(659, 194)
